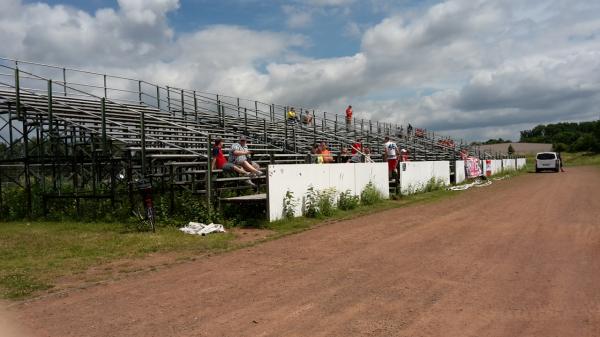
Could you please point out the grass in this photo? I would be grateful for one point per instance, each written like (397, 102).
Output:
(580, 159)
(35, 254)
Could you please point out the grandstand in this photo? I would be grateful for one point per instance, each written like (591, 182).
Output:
(80, 134)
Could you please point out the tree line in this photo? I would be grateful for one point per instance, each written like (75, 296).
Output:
(571, 137)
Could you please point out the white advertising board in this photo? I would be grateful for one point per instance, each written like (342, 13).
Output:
(460, 171)
(298, 178)
(414, 176)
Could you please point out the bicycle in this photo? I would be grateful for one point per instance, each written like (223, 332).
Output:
(147, 218)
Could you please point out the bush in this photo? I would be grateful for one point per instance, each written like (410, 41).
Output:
(559, 147)
(585, 142)
(347, 201)
(326, 202)
(311, 207)
(370, 195)
(434, 185)
(289, 205)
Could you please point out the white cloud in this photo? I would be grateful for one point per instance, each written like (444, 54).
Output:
(297, 17)
(329, 3)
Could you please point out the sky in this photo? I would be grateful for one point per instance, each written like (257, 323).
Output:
(467, 68)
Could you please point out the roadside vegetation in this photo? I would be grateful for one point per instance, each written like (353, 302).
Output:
(580, 158)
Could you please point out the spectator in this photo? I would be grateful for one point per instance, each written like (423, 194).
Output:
(291, 115)
(327, 158)
(316, 156)
(348, 117)
(390, 150)
(404, 155)
(367, 153)
(220, 162)
(238, 155)
(356, 158)
(307, 118)
(357, 146)
(409, 129)
(345, 156)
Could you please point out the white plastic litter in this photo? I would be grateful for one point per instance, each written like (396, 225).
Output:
(477, 183)
(198, 228)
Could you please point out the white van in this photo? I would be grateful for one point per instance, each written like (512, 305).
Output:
(547, 161)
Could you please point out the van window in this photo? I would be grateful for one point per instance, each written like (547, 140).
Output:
(546, 156)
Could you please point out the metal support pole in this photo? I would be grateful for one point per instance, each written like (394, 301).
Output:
(335, 126)
(105, 90)
(168, 99)
(182, 105)
(195, 106)
(26, 164)
(223, 114)
(264, 130)
(246, 121)
(285, 122)
(65, 81)
(294, 139)
(256, 108)
(103, 117)
(314, 132)
(209, 175)
(17, 93)
(143, 143)
(50, 112)
(158, 97)
(140, 91)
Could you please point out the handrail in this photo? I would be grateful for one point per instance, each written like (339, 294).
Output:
(187, 93)
(113, 122)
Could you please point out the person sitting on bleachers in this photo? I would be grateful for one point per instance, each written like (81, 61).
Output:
(219, 162)
(239, 155)
(362, 157)
(357, 146)
(307, 118)
(345, 156)
(291, 115)
(327, 158)
(316, 156)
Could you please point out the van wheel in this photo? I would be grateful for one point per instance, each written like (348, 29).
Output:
(537, 170)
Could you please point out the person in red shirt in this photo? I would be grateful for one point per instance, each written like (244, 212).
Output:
(220, 162)
(348, 117)
(357, 146)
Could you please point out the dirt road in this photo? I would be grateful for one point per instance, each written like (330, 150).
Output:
(518, 258)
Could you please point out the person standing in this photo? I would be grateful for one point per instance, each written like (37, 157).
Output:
(390, 153)
(348, 117)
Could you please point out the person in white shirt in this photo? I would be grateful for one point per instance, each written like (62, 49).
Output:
(390, 153)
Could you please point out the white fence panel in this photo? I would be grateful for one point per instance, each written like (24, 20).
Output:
(460, 171)
(299, 177)
(414, 176)
(508, 164)
(496, 166)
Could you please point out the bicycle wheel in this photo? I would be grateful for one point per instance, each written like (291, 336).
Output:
(151, 218)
